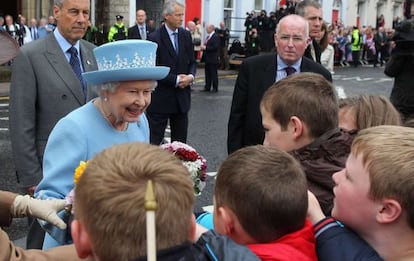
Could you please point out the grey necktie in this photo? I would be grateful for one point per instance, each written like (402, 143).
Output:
(142, 33)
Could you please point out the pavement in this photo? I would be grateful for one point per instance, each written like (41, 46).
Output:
(5, 86)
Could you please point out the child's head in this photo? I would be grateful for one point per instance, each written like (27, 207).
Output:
(260, 195)
(297, 110)
(364, 111)
(377, 185)
(110, 218)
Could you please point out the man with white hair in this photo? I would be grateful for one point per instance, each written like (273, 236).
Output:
(258, 73)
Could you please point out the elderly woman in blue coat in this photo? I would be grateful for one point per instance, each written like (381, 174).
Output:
(124, 80)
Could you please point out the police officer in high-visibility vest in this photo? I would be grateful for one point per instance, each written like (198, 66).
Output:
(118, 31)
(356, 45)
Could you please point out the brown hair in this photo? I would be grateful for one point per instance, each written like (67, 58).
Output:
(323, 43)
(109, 200)
(388, 155)
(309, 96)
(371, 110)
(266, 188)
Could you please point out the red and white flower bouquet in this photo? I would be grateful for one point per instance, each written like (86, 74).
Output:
(195, 163)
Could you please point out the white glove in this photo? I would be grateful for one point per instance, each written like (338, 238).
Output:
(42, 209)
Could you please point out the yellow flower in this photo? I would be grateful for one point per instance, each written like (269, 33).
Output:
(79, 171)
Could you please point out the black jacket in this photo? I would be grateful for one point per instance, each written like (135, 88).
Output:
(133, 31)
(401, 67)
(317, 48)
(256, 75)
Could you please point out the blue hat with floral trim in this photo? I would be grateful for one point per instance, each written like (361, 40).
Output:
(126, 60)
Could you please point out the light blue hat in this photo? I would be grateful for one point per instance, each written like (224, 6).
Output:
(126, 60)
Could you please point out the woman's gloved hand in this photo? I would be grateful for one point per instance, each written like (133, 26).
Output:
(43, 209)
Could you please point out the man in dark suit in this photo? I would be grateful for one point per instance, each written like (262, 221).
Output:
(258, 73)
(33, 29)
(140, 30)
(311, 10)
(210, 58)
(44, 88)
(172, 98)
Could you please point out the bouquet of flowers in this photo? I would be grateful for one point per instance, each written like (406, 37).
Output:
(195, 163)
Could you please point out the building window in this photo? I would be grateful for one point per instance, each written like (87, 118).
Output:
(258, 4)
(228, 12)
(337, 4)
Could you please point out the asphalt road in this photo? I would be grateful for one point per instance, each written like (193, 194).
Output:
(207, 127)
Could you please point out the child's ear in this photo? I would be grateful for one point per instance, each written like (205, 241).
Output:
(297, 127)
(196, 230)
(81, 239)
(227, 218)
(389, 212)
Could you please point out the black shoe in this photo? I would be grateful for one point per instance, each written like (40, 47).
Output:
(215, 90)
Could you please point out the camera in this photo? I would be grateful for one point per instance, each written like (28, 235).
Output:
(404, 37)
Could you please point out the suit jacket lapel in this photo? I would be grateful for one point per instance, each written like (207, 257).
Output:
(165, 38)
(269, 71)
(304, 66)
(181, 40)
(88, 59)
(62, 68)
(89, 64)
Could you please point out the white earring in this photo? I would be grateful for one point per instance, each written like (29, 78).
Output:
(105, 99)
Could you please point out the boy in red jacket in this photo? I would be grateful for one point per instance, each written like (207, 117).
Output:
(261, 201)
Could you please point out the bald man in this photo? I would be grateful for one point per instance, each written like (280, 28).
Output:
(140, 30)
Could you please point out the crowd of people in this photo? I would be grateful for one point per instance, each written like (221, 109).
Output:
(24, 32)
(307, 176)
(370, 45)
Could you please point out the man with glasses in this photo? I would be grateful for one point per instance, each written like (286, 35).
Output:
(258, 73)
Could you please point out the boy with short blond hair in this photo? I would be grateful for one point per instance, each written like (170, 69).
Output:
(373, 197)
(109, 201)
(300, 116)
(261, 201)
(110, 217)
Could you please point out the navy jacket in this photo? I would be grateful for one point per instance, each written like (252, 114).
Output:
(167, 98)
(210, 247)
(211, 53)
(335, 242)
(256, 75)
